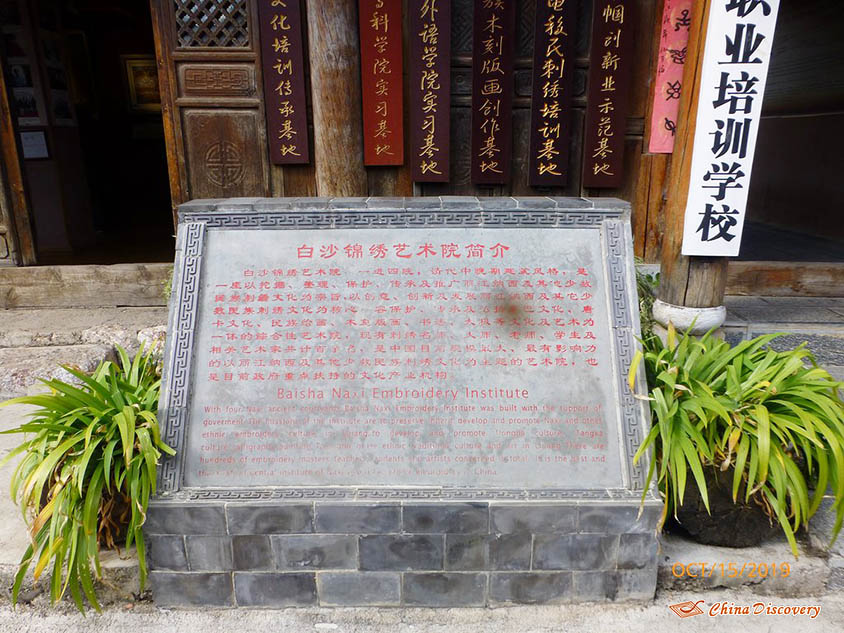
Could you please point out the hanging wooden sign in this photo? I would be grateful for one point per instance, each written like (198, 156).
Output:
(430, 94)
(380, 24)
(673, 41)
(553, 74)
(734, 72)
(610, 64)
(283, 69)
(492, 90)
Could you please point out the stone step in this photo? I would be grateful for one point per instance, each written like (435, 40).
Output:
(21, 367)
(82, 326)
(769, 569)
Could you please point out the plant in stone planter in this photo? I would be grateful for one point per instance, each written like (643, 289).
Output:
(766, 426)
(87, 472)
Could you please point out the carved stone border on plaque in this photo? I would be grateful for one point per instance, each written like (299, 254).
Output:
(196, 218)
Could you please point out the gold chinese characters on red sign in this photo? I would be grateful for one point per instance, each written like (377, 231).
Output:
(284, 81)
(380, 23)
(611, 57)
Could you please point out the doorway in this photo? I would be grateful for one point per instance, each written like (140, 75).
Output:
(794, 210)
(84, 96)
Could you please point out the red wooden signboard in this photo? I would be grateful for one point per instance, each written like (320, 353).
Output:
(380, 23)
(492, 90)
(430, 94)
(553, 74)
(283, 69)
(610, 69)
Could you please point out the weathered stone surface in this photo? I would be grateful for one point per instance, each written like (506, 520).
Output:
(21, 367)
(252, 552)
(401, 552)
(575, 551)
(828, 347)
(780, 313)
(466, 552)
(275, 590)
(269, 518)
(359, 588)
(456, 518)
(806, 576)
(615, 519)
(317, 551)
(444, 589)
(191, 589)
(593, 586)
(637, 551)
(358, 518)
(167, 552)
(152, 338)
(531, 587)
(65, 326)
(194, 518)
(534, 518)
(488, 551)
(209, 553)
(634, 584)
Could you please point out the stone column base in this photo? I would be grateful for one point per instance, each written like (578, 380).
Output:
(696, 321)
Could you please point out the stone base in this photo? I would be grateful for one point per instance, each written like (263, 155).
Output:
(273, 554)
(696, 321)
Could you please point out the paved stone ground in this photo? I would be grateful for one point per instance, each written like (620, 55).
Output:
(34, 342)
(819, 321)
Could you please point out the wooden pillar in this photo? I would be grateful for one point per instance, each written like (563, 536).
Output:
(335, 86)
(14, 203)
(690, 282)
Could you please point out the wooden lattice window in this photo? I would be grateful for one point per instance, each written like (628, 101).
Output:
(219, 23)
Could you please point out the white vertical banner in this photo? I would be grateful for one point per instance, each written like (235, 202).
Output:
(735, 69)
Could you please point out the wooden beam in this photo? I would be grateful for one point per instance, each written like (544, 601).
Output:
(335, 84)
(786, 279)
(84, 286)
(697, 282)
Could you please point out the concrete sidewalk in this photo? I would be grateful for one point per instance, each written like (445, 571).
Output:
(630, 618)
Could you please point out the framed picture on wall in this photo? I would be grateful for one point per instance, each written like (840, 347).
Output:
(142, 83)
(34, 145)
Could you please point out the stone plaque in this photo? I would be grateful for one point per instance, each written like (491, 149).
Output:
(460, 349)
(368, 394)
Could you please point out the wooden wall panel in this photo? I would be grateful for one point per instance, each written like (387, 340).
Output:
(224, 149)
(228, 80)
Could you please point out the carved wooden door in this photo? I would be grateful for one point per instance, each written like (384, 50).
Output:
(211, 98)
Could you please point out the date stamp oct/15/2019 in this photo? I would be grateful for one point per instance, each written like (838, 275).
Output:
(746, 569)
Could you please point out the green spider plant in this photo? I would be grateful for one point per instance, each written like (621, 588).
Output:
(775, 418)
(87, 472)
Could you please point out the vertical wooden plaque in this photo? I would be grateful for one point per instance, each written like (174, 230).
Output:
(380, 24)
(283, 69)
(430, 89)
(492, 90)
(553, 76)
(610, 63)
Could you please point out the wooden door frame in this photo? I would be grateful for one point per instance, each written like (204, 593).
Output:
(162, 17)
(14, 203)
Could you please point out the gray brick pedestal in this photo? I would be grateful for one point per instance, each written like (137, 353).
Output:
(278, 554)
